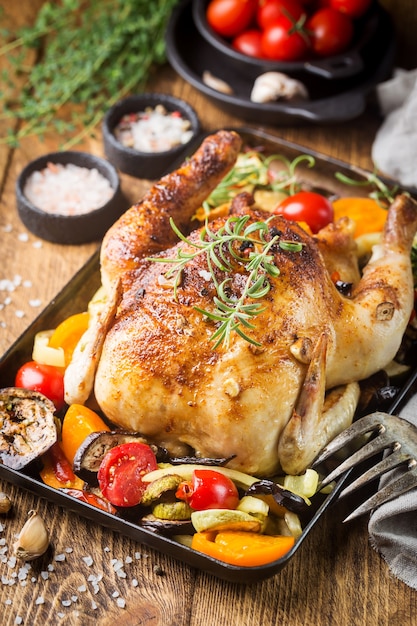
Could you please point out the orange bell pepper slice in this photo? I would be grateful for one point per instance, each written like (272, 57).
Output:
(68, 333)
(241, 548)
(368, 215)
(57, 471)
(79, 422)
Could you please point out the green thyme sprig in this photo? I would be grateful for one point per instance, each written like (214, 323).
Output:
(222, 249)
(88, 54)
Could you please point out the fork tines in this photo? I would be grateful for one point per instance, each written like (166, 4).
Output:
(392, 434)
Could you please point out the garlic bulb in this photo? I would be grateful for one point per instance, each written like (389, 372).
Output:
(5, 503)
(33, 539)
(273, 86)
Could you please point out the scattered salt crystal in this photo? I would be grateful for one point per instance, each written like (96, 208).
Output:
(88, 560)
(82, 588)
(115, 594)
(69, 550)
(45, 575)
(27, 283)
(128, 559)
(19, 314)
(7, 228)
(67, 189)
(23, 237)
(135, 582)
(37, 244)
(8, 602)
(94, 605)
(50, 567)
(40, 600)
(74, 598)
(61, 615)
(66, 602)
(121, 603)
(60, 557)
(35, 303)
(18, 620)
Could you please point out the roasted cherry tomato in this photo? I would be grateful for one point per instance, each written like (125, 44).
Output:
(230, 17)
(270, 10)
(284, 41)
(91, 498)
(121, 471)
(249, 43)
(309, 207)
(331, 31)
(209, 489)
(353, 8)
(45, 379)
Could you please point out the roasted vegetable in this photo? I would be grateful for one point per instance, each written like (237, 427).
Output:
(27, 426)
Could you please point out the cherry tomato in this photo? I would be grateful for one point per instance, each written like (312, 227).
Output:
(307, 206)
(249, 43)
(230, 17)
(282, 41)
(331, 31)
(353, 8)
(121, 470)
(45, 379)
(91, 498)
(209, 489)
(270, 10)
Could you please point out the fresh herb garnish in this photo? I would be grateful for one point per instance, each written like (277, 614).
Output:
(381, 192)
(253, 170)
(89, 54)
(223, 250)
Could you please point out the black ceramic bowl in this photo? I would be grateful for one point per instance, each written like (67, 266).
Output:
(343, 65)
(70, 229)
(148, 165)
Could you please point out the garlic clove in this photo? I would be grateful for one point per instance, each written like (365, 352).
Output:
(5, 502)
(33, 539)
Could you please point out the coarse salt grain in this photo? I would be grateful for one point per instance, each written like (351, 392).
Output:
(67, 189)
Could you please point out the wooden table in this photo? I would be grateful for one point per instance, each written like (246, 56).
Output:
(335, 578)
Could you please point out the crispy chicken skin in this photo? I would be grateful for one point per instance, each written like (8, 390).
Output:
(158, 373)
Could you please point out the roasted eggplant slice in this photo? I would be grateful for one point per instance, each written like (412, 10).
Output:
(89, 455)
(27, 426)
(284, 497)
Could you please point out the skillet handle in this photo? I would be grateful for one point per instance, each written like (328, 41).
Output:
(340, 66)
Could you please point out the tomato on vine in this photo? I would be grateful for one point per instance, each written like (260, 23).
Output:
(270, 10)
(230, 17)
(353, 8)
(331, 31)
(284, 40)
(249, 43)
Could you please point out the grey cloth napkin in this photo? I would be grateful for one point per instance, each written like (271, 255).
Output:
(393, 526)
(394, 149)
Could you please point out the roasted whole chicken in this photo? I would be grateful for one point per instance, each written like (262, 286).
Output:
(273, 403)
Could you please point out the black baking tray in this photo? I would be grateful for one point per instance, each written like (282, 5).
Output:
(331, 101)
(74, 298)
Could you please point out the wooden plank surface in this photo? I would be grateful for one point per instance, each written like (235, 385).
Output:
(335, 578)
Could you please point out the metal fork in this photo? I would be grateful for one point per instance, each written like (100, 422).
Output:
(385, 433)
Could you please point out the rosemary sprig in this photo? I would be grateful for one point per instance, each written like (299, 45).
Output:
(222, 249)
(89, 54)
